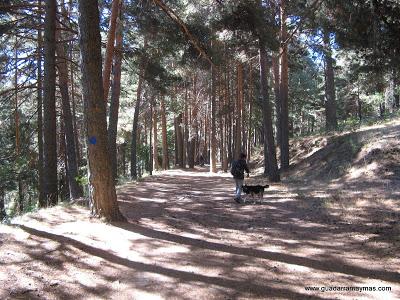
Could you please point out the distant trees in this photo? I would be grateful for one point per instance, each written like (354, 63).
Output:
(190, 82)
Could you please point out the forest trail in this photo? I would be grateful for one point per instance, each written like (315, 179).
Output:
(187, 239)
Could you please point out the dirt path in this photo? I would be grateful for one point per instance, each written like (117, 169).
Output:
(187, 239)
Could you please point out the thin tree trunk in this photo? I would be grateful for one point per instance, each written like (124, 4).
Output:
(284, 142)
(110, 48)
(41, 200)
(155, 140)
(21, 193)
(2, 205)
(115, 95)
(179, 141)
(16, 100)
(72, 166)
(165, 158)
(275, 69)
(186, 129)
(49, 104)
(213, 140)
(102, 188)
(249, 138)
(76, 131)
(239, 111)
(271, 166)
(193, 127)
(151, 140)
(330, 104)
(136, 116)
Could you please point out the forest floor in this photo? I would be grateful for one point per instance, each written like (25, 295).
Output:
(187, 239)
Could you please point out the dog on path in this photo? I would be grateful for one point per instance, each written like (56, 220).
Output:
(255, 190)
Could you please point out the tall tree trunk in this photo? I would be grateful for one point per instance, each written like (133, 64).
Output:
(74, 118)
(110, 47)
(284, 141)
(136, 115)
(330, 97)
(271, 166)
(151, 140)
(239, 111)
(41, 200)
(165, 158)
(16, 100)
(213, 140)
(103, 195)
(186, 129)
(115, 95)
(193, 127)
(155, 139)
(276, 72)
(179, 141)
(250, 128)
(49, 104)
(72, 166)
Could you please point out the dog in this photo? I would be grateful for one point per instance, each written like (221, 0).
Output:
(255, 190)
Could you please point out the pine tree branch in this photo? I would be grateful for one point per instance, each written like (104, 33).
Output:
(193, 40)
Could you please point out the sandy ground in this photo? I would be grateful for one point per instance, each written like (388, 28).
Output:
(187, 239)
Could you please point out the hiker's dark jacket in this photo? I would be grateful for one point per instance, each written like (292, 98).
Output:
(241, 165)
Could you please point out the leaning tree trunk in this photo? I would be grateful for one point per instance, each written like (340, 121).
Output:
(271, 166)
(49, 105)
(115, 95)
(102, 188)
(330, 105)
(284, 81)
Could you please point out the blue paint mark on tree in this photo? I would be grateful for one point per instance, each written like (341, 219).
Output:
(93, 140)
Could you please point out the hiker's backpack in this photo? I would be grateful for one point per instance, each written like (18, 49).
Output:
(236, 170)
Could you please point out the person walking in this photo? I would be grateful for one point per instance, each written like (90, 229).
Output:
(237, 171)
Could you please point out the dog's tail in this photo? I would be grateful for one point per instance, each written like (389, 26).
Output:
(266, 186)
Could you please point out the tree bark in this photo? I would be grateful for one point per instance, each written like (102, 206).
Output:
(213, 140)
(165, 158)
(155, 140)
(284, 80)
(72, 166)
(239, 111)
(193, 127)
(102, 188)
(2, 205)
(115, 95)
(41, 200)
(330, 95)
(186, 129)
(270, 162)
(110, 47)
(276, 72)
(250, 128)
(49, 105)
(179, 141)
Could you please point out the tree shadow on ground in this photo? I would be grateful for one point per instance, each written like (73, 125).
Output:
(239, 287)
